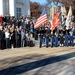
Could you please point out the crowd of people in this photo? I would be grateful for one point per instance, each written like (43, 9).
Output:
(58, 37)
(16, 33)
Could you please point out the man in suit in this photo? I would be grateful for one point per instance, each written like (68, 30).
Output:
(41, 33)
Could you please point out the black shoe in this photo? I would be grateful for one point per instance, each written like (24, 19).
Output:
(46, 46)
(39, 46)
(51, 46)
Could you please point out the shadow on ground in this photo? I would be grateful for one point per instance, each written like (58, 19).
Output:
(36, 64)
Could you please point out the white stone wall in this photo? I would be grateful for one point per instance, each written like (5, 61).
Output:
(1, 7)
(12, 7)
(20, 4)
(26, 7)
(13, 4)
(6, 7)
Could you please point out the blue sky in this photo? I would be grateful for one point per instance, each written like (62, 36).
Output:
(40, 1)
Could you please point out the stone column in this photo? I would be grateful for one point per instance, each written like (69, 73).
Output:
(12, 7)
(1, 7)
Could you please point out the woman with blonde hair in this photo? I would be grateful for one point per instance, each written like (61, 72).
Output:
(7, 37)
(12, 37)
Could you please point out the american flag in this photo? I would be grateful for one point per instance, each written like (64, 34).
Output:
(41, 20)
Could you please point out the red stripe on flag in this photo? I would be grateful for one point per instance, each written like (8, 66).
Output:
(42, 16)
(39, 24)
(42, 19)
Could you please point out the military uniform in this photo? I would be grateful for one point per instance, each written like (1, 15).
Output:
(41, 32)
(47, 32)
(71, 37)
(66, 38)
(52, 38)
(61, 37)
(56, 39)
